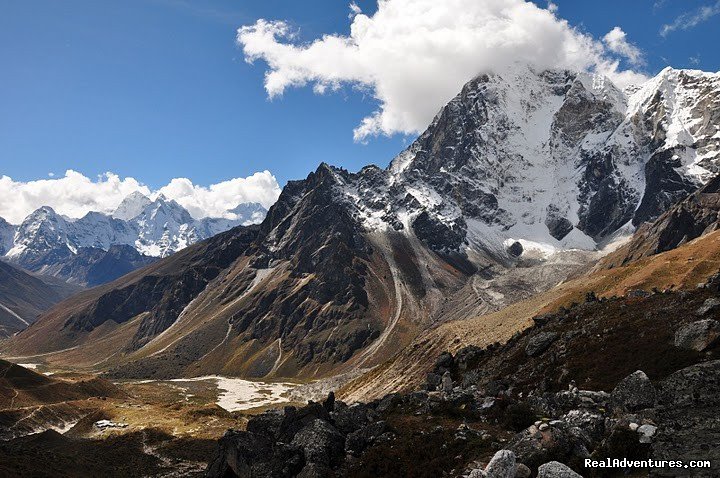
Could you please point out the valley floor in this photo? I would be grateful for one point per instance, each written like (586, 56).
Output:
(144, 428)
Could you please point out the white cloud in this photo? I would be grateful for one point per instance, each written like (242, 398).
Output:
(74, 195)
(692, 19)
(616, 41)
(413, 56)
(217, 199)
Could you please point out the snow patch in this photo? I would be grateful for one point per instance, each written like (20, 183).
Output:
(237, 394)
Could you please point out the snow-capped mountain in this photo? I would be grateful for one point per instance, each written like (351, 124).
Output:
(552, 159)
(7, 236)
(42, 232)
(347, 268)
(100, 231)
(46, 241)
(163, 227)
(249, 212)
(132, 206)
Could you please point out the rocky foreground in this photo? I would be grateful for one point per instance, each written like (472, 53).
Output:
(634, 377)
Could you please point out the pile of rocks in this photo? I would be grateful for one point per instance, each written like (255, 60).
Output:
(675, 419)
(504, 465)
(306, 442)
(505, 404)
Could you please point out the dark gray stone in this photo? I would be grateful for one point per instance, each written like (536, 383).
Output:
(540, 343)
(698, 335)
(515, 249)
(634, 392)
(522, 471)
(559, 227)
(688, 420)
(357, 441)
(322, 443)
(709, 305)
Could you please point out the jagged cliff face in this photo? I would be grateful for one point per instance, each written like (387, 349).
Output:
(555, 159)
(495, 202)
(676, 118)
(694, 216)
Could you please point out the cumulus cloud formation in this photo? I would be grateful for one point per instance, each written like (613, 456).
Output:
(74, 194)
(692, 19)
(616, 41)
(216, 200)
(413, 56)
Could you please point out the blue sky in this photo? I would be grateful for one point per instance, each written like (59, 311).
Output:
(159, 89)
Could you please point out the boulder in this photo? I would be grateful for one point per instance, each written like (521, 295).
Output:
(433, 381)
(558, 226)
(236, 452)
(357, 441)
(540, 343)
(709, 305)
(591, 423)
(646, 432)
(468, 357)
(698, 335)
(244, 454)
(502, 465)
(321, 442)
(534, 447)
(354, 417)
(295, 419)
(286, 461)
(555, 469)
(688, 419)
(266, 424)
(515, 249)
(522, 471)
(634, 392)
(388, 402)
(447, 383)
(444, 362)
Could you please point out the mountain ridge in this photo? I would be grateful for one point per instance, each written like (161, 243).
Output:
(510, 190)
(138, 232)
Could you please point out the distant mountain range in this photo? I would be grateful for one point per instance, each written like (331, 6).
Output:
(99, 247)
(511, 189)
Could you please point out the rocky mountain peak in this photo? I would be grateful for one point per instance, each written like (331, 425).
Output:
(165, 208)
(42, 231)
(554, 159)
(43, 214)
(249, 213)
(131, 206)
